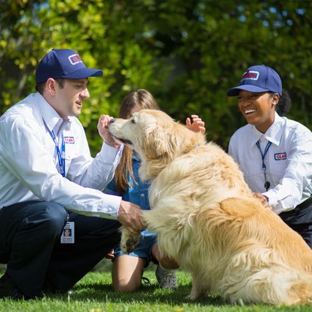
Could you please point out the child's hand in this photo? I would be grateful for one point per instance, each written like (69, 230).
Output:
(195, 124)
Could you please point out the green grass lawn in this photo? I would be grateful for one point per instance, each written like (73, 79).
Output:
(95, 294)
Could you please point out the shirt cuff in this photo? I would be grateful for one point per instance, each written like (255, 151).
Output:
(108, 153)
(112, 206)
(274, 203)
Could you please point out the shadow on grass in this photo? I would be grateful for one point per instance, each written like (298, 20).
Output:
(151, 294)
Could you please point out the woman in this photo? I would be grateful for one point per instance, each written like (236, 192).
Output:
(274, 152)
(128, 268)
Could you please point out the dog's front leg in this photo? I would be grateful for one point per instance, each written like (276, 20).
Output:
(197, 289)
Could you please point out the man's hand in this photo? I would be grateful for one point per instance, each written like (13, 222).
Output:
(263, 199)
(102, 126)
(195, 124)
(131, 217)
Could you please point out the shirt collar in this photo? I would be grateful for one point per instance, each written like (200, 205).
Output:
(49, 115)
(273, 134)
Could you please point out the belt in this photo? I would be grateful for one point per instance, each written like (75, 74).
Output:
(300, 216)
(300, 209)
(305, 204)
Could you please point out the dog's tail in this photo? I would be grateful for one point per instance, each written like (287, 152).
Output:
(275, 285)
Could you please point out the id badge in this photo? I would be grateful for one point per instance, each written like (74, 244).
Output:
(68, 234)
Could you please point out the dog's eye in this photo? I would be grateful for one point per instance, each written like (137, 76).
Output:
(132, 120)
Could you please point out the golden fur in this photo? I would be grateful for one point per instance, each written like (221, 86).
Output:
(207, 220)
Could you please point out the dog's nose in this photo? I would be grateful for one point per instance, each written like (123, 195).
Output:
(112, 120)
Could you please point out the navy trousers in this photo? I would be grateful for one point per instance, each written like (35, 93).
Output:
(300, 220)
(36, 260)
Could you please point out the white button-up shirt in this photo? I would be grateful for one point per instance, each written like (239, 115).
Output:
(288, 161)
(29, 161)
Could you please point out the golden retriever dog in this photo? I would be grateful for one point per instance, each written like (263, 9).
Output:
(208, 221)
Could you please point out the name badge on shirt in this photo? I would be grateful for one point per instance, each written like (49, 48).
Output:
(69, 140)
(280, 156)
(68, 234)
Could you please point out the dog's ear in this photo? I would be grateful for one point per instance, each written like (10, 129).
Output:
(156, 143)
(161, 142)
(165, 137)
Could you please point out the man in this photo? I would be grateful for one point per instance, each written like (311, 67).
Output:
(49, 180)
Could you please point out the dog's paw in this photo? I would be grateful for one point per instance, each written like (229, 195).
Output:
(129, 241)
(196, 293)
(191, 297)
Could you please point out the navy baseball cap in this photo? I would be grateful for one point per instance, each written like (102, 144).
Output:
(258, 78)
(63, 63)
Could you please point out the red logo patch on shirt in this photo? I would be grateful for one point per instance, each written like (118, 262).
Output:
(69, 140)
(280, 156)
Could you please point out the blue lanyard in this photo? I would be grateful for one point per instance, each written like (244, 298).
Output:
(266, 182)
(60, 154)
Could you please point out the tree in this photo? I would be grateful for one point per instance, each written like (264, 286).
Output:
(187, 53)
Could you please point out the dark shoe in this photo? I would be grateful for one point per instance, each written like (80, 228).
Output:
(50, 289)
(9, 290)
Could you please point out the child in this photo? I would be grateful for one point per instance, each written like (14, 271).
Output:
(128, 269)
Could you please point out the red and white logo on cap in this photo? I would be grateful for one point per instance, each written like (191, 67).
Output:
(75, 59)
(250, 75)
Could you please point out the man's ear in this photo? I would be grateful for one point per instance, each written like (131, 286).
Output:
(50, 86)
